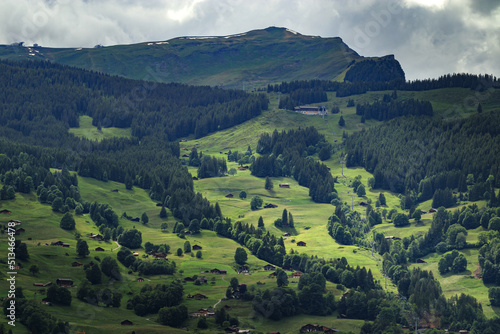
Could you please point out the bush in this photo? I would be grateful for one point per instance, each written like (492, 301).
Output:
(67, 222)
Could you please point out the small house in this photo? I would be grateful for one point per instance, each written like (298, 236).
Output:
(65, 244)
(185, 156)
(296, 274)
(269, 267)
(301, 243)
(99, 249)
(45, 301)
(5, 211)
(229, 196)
(140, 279)
(127, 323)
(198, 296)
(363, 203)
(57, 243)
(286, 234)
(218, 271)
(197, 247)
(270, 206)
(37, 284)
(114, 190)
(432, 210)
(96, 237)
(243, 269)
(421, 261)
(284, 185)
(64, 282)
(159, 255)
(135, 219)
(15, 221)
(135, 254)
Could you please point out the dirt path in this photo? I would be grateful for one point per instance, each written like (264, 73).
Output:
(116, 242)
(215, 305)
(477, 272)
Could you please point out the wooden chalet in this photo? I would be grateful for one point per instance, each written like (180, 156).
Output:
(270, 206)
(421, 261)
(317, 328)
(286, 234)
(202, 312)
(140, 279)
(76, 264)
(391, 237)
(229, 196)
(189, 279)
(57, 243)
(114, 190)
(65, 244)
(38, 284)
(243, 269)
(269, 267)
(160, 256)
(135, 254)
(96, 237)
(197, 247)
(432, 210)
(64, 282)
(363, 203)
(135, 219)
(5, 212)
(197, 296)
(99, 249)
(218, 271)
(127, 323)
(45, 301)
(284, 185)
(296, 274)
(15, 221)
(301, 243)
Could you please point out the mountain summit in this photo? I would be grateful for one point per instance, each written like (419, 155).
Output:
(254, 58)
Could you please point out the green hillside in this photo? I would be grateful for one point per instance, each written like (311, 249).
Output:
(251, 59)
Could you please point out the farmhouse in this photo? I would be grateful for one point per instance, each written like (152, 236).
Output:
(127, 323)
(96, 237)
(270, 206)
(202, 312)
(269, 267)
(140, 279)
(421, 261)
(135, 254)
(218, 271)
(286, 234)
(64, 282)
(301, 243)
(5, 211)
(296, 274)
(229, 196)
(65, 244)
(284, 185)
(243, 269)
(197, 247)
(197, 296)
(16, 222)
(432, 210)
(99, 249)
(311, 110)
(159, 255)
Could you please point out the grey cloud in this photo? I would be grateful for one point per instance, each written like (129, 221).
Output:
(427, 41)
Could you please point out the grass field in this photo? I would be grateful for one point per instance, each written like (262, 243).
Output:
(88, 131)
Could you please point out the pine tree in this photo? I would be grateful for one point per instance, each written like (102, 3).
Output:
(163, 212)
(341, 121)
(261, 222)
(269, 184)
(290, 220)
(284, 218)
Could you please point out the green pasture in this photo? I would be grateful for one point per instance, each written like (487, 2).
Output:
(88, 131)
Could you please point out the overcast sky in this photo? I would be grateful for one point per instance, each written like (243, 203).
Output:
(428, 37)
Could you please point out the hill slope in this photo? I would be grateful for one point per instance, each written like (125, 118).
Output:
(254, 58)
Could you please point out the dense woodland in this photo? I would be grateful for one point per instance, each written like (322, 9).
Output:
(478, 83)
(285, 154)
(457, 155)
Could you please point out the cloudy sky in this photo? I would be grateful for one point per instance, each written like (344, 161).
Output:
(428, 37)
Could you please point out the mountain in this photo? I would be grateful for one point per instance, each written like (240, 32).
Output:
(254, 58)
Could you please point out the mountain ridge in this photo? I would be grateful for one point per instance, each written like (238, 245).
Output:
(254, 58)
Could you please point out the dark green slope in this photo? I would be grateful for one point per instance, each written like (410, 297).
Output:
(254, 58)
